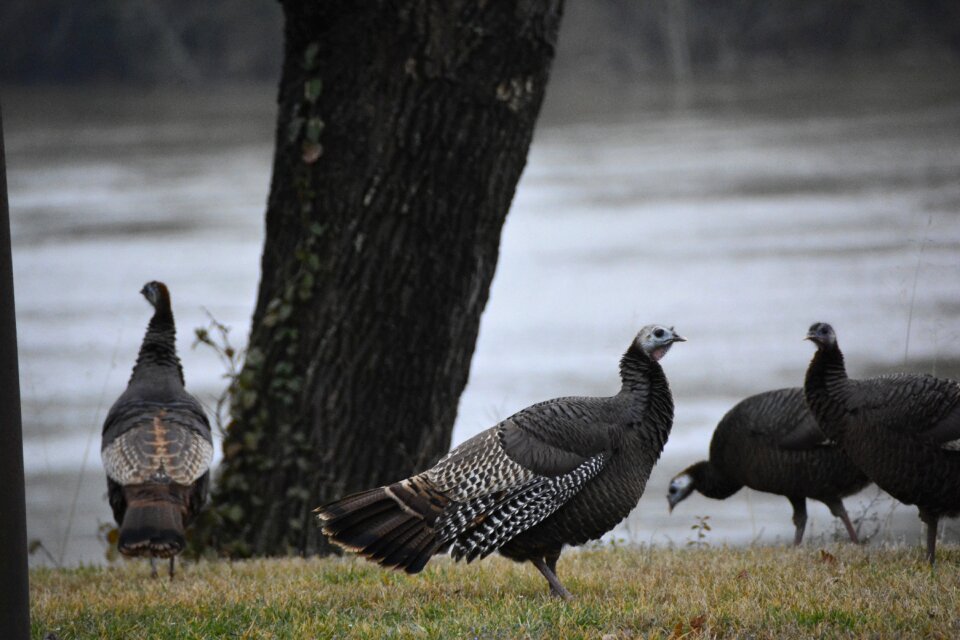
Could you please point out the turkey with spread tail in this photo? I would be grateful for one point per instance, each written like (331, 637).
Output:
(753, 446)
(156, 446)
(560, 472)
(902, 430)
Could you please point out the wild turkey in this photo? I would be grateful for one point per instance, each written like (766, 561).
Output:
(752, 446)
(902, 430)
(156, 446)
(557, 473)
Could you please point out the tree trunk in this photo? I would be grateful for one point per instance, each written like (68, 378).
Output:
(402, 131)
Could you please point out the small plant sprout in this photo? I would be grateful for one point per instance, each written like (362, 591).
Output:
(701, 526)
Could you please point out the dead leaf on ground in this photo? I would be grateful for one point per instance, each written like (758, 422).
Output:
(827, 557)
(677, 631)
(697, 622)
(743, 575)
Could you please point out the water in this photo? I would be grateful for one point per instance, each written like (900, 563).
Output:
(740, 212)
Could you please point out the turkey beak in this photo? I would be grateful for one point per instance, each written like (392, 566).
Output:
(678, 338)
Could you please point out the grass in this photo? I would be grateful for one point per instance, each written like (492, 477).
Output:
(625, 592)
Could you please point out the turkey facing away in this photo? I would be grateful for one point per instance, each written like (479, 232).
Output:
(557, 473)
(752, 446)
(156, 445)
(902, 430)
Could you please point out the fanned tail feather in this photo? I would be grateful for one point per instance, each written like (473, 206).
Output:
(392, 525)
(153, 522)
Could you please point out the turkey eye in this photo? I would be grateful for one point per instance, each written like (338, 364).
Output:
(658, 333)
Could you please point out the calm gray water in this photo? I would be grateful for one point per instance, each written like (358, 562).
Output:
(740, 212)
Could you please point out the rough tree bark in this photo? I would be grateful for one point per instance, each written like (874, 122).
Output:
(403, 128)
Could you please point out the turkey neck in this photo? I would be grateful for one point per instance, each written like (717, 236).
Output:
(827, 390)
(637, 370)
(645, 385)
(711, 482)
(158, 350)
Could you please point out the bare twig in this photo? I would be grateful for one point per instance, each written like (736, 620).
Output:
(216, 335)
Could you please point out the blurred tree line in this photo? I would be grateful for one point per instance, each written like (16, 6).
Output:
(152, 41)
(139, 41)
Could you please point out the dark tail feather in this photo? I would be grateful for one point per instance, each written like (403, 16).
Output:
(423, 549)
(392, 526)
(153, 522)
(364, 519)
(351, 504)
(387, 547)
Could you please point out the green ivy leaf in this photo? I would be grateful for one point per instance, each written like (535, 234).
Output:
(312, 89)
(310, 55)
(314, 129)
(234, 513)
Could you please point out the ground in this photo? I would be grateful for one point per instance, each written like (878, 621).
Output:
(627, 592)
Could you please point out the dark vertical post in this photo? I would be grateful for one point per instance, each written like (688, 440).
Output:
(15, 614)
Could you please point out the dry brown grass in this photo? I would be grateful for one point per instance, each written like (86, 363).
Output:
(761, 592)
